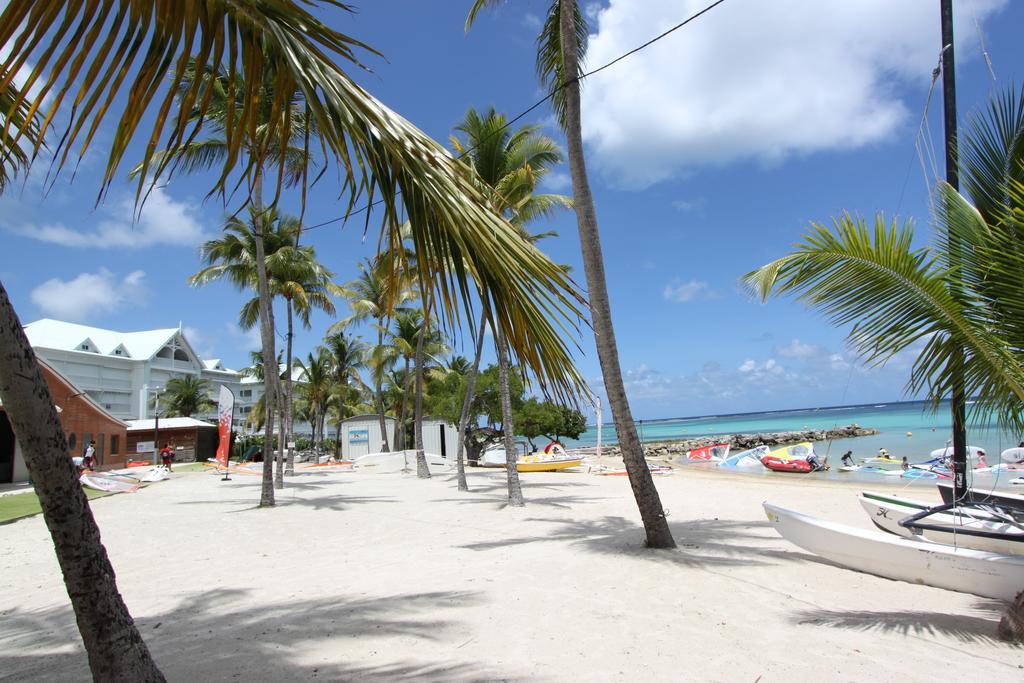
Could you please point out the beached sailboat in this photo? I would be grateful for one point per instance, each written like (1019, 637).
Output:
(990, 575)
(964, 526)
(793, 458)
(977, 495)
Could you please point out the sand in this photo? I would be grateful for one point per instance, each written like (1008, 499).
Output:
(385, 577)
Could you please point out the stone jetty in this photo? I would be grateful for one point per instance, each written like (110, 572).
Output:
(739, 442)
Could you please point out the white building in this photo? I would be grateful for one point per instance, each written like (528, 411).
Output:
(360, 435)
(121, 370)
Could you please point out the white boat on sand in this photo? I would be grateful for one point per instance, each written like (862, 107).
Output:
(966, 527)
(990, 575)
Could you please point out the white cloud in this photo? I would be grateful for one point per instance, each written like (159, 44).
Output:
(688, 205)
(755, 80)
(532, 21)
(163, 221)
(681, 292)
(557, 181)
(203, 344)
(798, 349)
(250, 338)
(90, 294)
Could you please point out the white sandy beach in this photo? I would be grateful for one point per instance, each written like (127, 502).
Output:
(385, 577)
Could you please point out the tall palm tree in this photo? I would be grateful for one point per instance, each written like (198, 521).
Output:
(186, 396)
(961, 296)
(404, 335)
(375, 295)
(509, 164)
(316, 389)
(561, 46)
(376, 152)
(306, 285)
(240, 256)
(348, 357)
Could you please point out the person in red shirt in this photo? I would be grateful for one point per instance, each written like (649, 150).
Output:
(167, 457)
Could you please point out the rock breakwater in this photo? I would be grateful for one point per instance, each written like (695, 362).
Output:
(738, 442)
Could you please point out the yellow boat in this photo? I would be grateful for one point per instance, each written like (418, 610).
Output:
(541, 463)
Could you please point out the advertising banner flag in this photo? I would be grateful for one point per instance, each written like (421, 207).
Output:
(225, 413)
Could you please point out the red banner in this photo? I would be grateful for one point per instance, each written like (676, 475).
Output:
(225, 412)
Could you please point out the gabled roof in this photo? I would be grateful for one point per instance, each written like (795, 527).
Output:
(166, 423)
(215, 365)
(64, 336)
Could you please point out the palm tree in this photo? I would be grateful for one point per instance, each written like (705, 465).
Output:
(561, 46)
(305, 284)
(961, 296)
(510, 164)
(375, 295)
(348, 356)
(408, 325)
(186, 396)
(283, 44)
(316, 390)
(241, 257)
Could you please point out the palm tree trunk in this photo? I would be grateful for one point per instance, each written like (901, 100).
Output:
(379, 395)
(403, 408)
(267, 340)
(460, 462)
(651, 512)
(515, 490)
(112, 642)
(422, 470)
(289, 410)
(279, 453)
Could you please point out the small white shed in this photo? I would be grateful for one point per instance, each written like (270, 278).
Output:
(440, 438)
(361, 435)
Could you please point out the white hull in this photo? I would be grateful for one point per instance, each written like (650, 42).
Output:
(749, 459)
(886, 514)
(989, 575)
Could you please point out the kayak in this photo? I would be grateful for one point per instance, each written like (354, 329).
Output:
(776, 464)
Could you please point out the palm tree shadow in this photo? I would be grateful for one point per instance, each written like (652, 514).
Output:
(214, 635)
(967, 629)
(338, 502)
(701, 543)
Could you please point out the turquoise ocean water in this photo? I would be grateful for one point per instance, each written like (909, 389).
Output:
(929, 430)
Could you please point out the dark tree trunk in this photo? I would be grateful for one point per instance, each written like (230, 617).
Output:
(422, 470)
(467, 402)
(113, 644)
(651, 512)
(400, 436)
(515, 490)
(267, 339)
(289, 416)
(379, 396)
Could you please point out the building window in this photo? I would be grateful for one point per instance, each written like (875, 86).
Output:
(114, 439)
(72, 441)
(84, 347)
(245, 393)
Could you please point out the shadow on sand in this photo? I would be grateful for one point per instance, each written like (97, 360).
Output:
(206, 637)
(965, 628)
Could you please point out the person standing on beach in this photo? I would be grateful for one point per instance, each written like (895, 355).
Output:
(89, 457)
(905, 465)
(167, 456)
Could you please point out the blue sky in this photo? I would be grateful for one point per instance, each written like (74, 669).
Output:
(709, 152)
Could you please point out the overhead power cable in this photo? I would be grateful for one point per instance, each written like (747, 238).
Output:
(539, 102)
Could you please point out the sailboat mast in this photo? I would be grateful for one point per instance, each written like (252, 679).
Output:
(958, 400)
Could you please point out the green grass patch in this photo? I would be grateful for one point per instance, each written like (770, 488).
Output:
(19, 505)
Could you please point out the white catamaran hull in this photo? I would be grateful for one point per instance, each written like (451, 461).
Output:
(886, 512)
(989, 575)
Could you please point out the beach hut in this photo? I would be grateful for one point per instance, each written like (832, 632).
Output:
(440, 438)
(191, 439)
(361, 435)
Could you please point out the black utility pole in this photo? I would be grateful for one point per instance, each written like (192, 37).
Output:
(958, 402)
